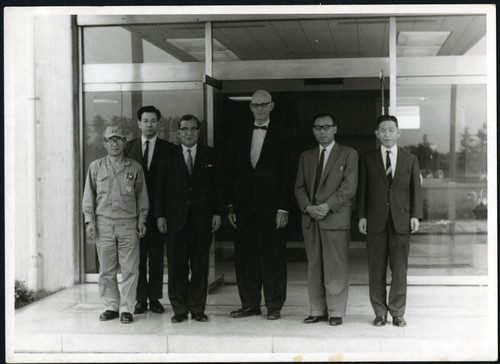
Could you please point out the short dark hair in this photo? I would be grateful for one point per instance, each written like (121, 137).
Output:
(149, 108)
(325, 114)
(188, 117)
(387, 117)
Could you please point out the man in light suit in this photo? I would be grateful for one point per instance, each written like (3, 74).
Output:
(259, 192)
(389, 208)
(189, 208)
(326, 182)
(148, 150)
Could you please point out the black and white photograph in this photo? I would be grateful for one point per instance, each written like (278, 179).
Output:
(243, 183)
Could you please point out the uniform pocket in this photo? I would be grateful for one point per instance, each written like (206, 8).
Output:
(102, 183)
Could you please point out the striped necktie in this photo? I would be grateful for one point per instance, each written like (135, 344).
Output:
(388, 167)
(145, 158)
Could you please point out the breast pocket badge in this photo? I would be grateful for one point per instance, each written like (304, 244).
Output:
(129, 178)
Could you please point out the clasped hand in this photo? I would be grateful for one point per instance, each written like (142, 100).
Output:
(317, 212)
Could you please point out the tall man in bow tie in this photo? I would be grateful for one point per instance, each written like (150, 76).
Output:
(326, 182)
(259, 173)
(389, 208)
(148, 150)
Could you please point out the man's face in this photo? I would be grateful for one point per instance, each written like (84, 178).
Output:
(115, 146)
(388, 133)
(261, 106)
(188, 132)
(148, 124)
(323, 136)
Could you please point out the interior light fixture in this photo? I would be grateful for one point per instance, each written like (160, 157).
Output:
(196, 48)
(420, 44)
(240, 98)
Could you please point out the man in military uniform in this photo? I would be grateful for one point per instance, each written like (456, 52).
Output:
(115, 205)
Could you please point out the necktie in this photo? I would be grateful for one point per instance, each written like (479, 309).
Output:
(145, 157)
(189, 162)
(319, 172)
(388, 167)
(260, 127)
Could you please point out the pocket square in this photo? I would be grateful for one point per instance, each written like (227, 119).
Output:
(209, 166)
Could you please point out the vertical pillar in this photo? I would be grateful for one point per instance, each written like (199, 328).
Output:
(209, 91)
(392, 66)
(137, 57)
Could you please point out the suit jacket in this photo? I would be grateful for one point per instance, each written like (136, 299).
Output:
(264, 190)
(376, 198)
(337, 185)
(178, 193)
(133, 150)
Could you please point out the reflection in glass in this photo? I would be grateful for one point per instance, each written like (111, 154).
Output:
(119, 108)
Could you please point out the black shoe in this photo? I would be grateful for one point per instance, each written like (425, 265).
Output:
(109, 315)
(126, 318)
(314, 319)
(156, 306)
(335, 321)
(398, 321)
(141, 307)
(273, 315)
(380, 320)
(200, 317)
(179, 317)
(245, 312)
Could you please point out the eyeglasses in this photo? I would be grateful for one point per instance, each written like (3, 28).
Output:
(113, 140)
(318, 128)
(260, 105)
(186, 130)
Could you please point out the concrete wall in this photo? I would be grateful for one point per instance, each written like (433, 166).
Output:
(42, 119)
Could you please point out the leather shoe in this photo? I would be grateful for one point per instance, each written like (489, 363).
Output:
(335, 321)
(200, 317)
(315, 319)
(109, 315)
(380, 320)
(156, 306)
(141, 307)
(179, 317)
(126, 318)
(398, 321)
(245, 312)
(273, 315)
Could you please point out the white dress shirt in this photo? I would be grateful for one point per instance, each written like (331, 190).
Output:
(258, 137)
(186, 154)
(328, 149)
(393, 156)
(151, 149)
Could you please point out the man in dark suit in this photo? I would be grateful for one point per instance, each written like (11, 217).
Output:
(389, 208)
(189, 208)
(148, 150)
(259, 197)
(326, 182)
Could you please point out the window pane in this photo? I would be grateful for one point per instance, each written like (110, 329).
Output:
(109, 108)
(301, 39)
(446, 129)
(158, 43)
(449, 35)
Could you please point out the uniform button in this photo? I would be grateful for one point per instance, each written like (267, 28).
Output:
(190, 189)
(387, 203)
(188, 202)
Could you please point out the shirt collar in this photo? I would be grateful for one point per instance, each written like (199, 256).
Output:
(152, 141)
(193, 148)
(393, 150)
(328, 147)
(264, 124)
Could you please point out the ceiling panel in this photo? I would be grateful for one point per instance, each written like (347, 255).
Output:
(319, 38)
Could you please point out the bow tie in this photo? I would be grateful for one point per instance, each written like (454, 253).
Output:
(260, 127)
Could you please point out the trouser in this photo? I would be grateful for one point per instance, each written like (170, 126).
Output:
(188, 250)
(327, 266)
(151, 256)
(117, 245)
(260, 263)
(388, 246)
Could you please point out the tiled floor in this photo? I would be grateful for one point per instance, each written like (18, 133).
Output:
(444, 323)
